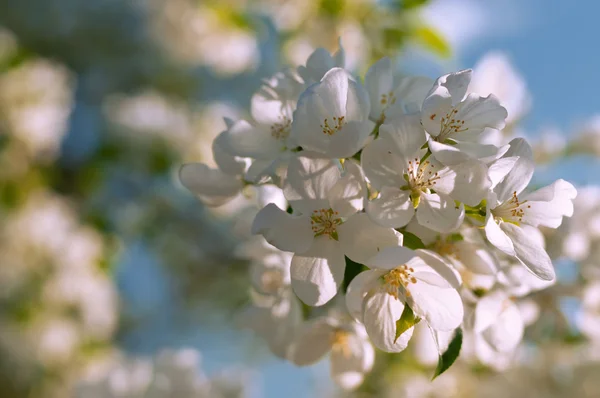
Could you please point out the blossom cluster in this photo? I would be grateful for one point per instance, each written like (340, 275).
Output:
(382, 211)
(171, 373)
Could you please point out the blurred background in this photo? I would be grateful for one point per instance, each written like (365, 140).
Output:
(104, 254)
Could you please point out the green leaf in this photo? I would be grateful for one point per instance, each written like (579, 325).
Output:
(455, 237)
(447, 358)
(433, 41)
(352, 269)
(406, 321)
(408, 4)
(412, 241)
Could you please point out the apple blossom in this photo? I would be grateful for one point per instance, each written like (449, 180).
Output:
(324, 227)
(455, 120)
(401, 277)
(410, 183)
(508, 208)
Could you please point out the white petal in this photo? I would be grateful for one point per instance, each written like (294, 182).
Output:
(406, 134)
(457, 84)
(323, 100)
(381, 311)
(351, 362)
(313, 340)
(318, 63)
(529, 252)
(435, 107)
(485, 153)
(548, 205)
(488, 309)
(507, 331)
(519, 176)
(481, 112)
(447, 154)
(267, 107)
(284, 231)
(361, 238)
(500, 168)
(245, 140)
(269, 193)
(411, 92)
(476, 258)
(442, 308)
(228, 164)
(276, 323)
(440, 213)
(348, 195)
(464, 152)
(206, 182)
(349, 139)
(381, 165)
(497, 237)
(379, 80)
(390, 257)
(358, 288)
(439, 265)
(308, 182)
(393, 208)
(358, 104)
(467, 182)
(318, 272)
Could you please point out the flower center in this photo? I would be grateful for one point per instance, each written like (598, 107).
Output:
(271, 281)
(281, 130)
(445, 248)
(325, 222)
(340, 343)
(450, 125)
(511, 211)
(400, 276)
(338, 123)
(385, 101)
(421, 176)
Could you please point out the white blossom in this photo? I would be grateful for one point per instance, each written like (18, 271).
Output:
(508, 208)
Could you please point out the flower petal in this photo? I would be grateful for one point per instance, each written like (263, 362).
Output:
(548, 205)
(467, 182)
(529, 252)
(497, 237)
(313, 340)
(318, 272)
(349, 139)
(348, 195)
(228, 163)
(488, 309)
(441, 307)
(519, 176)
(381, 165)
(500, 168)
(358, 288)
(440, 213)
(245, 140)
(507, 331)
(361, 238)
(379, 81)
(439, 265)
(393, 208)
(405, 133)
(308, 182)
(284, 231)
(209, 183)
(390, 257)
(381, 311)
(350, 362)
